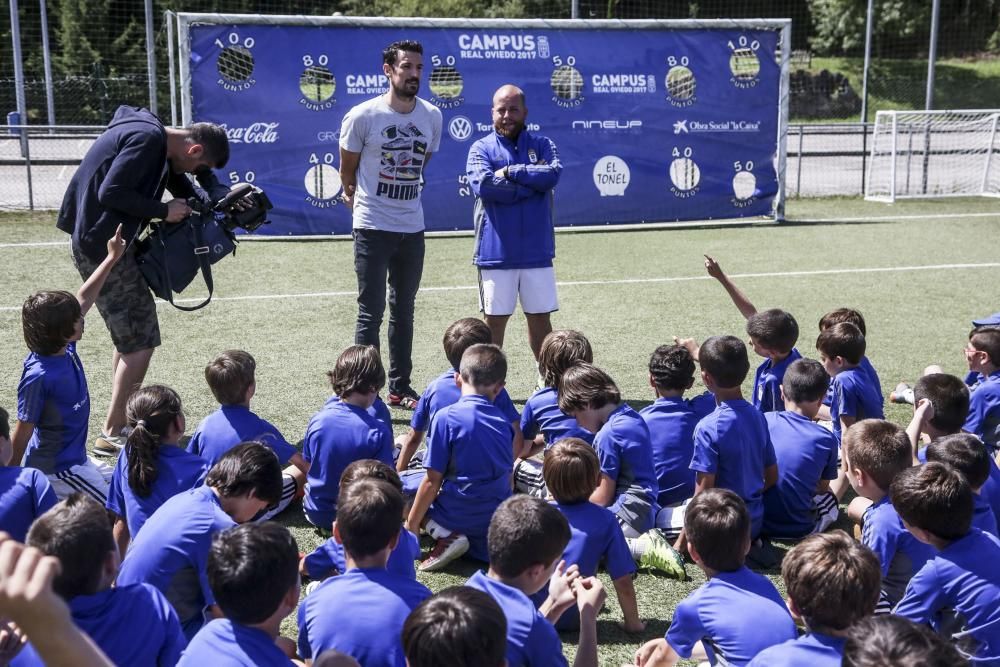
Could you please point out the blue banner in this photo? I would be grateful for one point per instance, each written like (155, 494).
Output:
(652, 125)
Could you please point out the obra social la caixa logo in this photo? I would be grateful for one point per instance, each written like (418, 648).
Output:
(254, 133)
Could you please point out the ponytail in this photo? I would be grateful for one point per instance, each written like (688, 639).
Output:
(150, 412)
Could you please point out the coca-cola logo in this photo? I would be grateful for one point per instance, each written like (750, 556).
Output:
(254, 133)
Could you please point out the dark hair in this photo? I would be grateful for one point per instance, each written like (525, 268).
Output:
(230, 375)
(370, 469)
(460, 627)
(585, 386)
(358, 369)
(462, 335)
(842, 340)
(717, 523)
(843, 315)
(391, 53)
(893, 641)
(671, 367)
(987, 339)
(775, 329)
(369, 516)
(833, 580)
(950, 397)
(560, 350)
(4, 424)
(525, 531)
(483, 364)
(213, 140)
(878, 447)
(149, 413)
(934, 497)
(251, 568)
(805, 381)
(78, 533)
(571, 470)
(247, 467)
(725, 359)
(49, 321)
(965, 453)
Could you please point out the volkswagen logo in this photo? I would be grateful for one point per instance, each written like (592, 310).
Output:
(460, 128)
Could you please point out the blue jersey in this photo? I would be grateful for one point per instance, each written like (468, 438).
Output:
(177, 471)
(812, 649)
(873, 380)
(735, 615)
(229, 426)
(442, 392)
(172, 554)
(898, 551)
(991, 489)
(471, 444)
(767, 383)
(733, 444)
(958, 591)
(982, 515)
(531, 639)
(541, 414)
(671, 423)
(806, 453)
(337, 436)
(626, 455)
(513, 215)
(25, 494)
(133, 625)
(53, 396)
(379, 410)
(854, 395)
(222, 643)
(984, 410)
(329, 559)
(368, 627)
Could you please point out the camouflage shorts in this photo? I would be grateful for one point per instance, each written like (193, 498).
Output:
(125, 303)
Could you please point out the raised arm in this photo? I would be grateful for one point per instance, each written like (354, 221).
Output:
(87, 294)
(740, 300)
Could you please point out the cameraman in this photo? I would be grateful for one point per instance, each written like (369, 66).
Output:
(121, 181)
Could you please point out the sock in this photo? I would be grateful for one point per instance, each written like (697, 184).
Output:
(436, 530)
(636, 547)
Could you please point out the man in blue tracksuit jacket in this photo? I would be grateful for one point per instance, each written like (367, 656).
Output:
(512, 173)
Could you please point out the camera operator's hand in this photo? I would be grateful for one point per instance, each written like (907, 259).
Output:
(177, 210)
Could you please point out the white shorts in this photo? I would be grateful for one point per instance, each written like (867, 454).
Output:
(91, 477)
(499, 290)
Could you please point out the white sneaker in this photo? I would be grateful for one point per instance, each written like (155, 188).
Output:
(109, 445)
(445, 550)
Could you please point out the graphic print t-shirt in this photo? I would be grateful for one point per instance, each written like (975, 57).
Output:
(394, 147)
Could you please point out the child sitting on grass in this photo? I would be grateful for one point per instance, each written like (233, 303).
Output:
(25, 493)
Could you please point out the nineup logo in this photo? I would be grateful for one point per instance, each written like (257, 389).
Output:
(460, 128)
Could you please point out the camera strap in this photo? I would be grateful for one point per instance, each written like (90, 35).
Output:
(202, 252)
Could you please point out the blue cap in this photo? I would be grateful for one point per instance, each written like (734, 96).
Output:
(989, 321)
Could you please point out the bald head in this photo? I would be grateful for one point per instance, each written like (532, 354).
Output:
(509, 111)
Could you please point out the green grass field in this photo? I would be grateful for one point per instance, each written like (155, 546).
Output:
(291, 304)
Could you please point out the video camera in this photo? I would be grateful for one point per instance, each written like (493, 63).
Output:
(170, 255)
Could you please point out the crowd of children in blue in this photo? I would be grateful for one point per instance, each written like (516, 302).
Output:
(203, 578)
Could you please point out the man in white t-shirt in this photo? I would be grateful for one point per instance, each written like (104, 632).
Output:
(385, 145)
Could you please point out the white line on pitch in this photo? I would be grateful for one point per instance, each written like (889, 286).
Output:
(620, 281)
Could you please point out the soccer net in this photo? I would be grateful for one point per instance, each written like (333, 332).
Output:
(934, 154)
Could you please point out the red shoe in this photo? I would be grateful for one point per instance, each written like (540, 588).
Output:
(445, 550)
(404, 398)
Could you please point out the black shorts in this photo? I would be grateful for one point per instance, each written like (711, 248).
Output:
(125, 303)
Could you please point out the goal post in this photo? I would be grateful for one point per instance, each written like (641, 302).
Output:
(934, 154)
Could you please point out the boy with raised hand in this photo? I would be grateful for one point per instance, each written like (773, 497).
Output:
(460, 626)
(773, 334)
(801, 502)
(171, 550)
(25, 493)
(983, 356)
(361, 612)
(253, 573)
(53, 401)
(957, 592)
(445, 391)
(344, 432)
(965, 453)
(732, 446)
(526, 540)
(832, 582)
(875, 452)
(894, 641)
(737, 613)
(232, 378)
(132, 624)
(469, 463)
